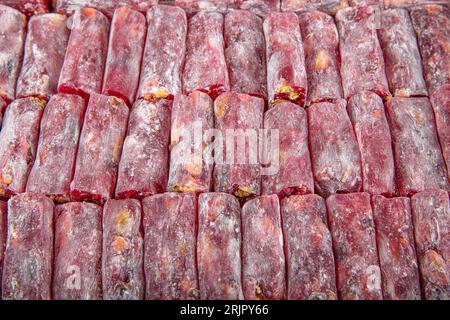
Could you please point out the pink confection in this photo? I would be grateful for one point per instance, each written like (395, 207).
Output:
(245, 53)
(263, 263)
(292, 172)
(27, 265)
(355, 249)
(192, 115)
(328, 6)
(286, 73)
(441, 105)
(219, 246)
(321, 41)
(82, 71)
(308, 247)
(122, 255)
(170, 227)
(3, 214)
(395, 241)
(99, 150)
(12, 37)
(78, 252)
(419, 164)
(28, 7)
(144, 164)
(45, 48)
(403, 64)
(123, 63)
(205, 68)
(261, 7)
(335, 154)
(53, 168)
(238, 117)
(164, 53)
(367, 114)
(431, 224)
(193, 6)
(18, 142)
(432, 25)
(407, 3)
(362, 66)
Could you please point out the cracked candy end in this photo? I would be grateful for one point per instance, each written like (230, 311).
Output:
(243, 192)
(183, 189)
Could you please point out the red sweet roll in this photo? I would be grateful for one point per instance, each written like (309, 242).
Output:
(3, 227)
(327, 6)
(28, 262)
(53, 168)
(78, 252)
(28, 7)
(261, 7)
(170, 227)
(193, 6)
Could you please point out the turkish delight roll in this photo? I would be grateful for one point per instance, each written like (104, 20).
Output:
(355, 249)
(144, 164)
(286, 72)
(362, 63)
(321, 41)
(263, 262)
(308, 247)
(53, 168)
(3, 213)
(99, 149)
(328, 6)
(82, 71)
(170, 228)
(27, 266)
(122, 255)
(45, 48)
(205, 68)
(369, 121)
(261, 7)
(18, 142)
(28, 7)
(245, 53)
(335, 155)
(396, 249)
(189, 170)
(291, 162)
(419, 164)
(432, 25)
(123, 62)
(78, 252)
(164, 53)
(239, 118)
(13, 28)
(193, 6)
(219, 247)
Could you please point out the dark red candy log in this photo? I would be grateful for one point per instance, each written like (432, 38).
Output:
(219, 246)
(286, 73)
(13, 28)
(78, 252)
(164, 53)
(328, 6)
(440, 101)
(45, 48)
(238, 117)
(396, 249)
(170, 227)
(3, 214)
(362, 64)
(123, 63)
(261, 7)
(335, 154)
(18, 143)
(308, 247)
(321, 41)
(82, 71)
(432, 25)
(144, 164)
(355, 249)
(205, 68)
(289, 159)
(431, 225)
(122, 255)
(245, 53)
(419, 164)
(99, 150)
(192, 115)
(53, 169)
(27, 266)
(28, 7)
(403, 64)
(367, 114)
(263, 262)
